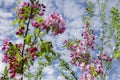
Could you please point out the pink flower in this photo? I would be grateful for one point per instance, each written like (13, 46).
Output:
(20, 31)
(5, 42)
(35, 24)
(19, 45)
(34, 49)
(32, 56)
(55, 22)
(24, 8)
(4, 47)
(62, 30)
(5, 58)
(87, 76)
(83, 67)
(105, 57)
(12, 75)
(26, 4)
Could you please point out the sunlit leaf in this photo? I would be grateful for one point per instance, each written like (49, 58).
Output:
(28, 39)
(48, 58)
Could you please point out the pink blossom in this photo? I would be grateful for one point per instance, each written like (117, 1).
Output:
(55, 22)
(87, 76)
(34, 49)
(20, 31)
(5, 42)
(83, 67)
(4, 47)
(19, 45)
(105, 57)
(12, 75)
(32, 56)
(21, 10)
(35, 24)
(26, 4)
(5, 58)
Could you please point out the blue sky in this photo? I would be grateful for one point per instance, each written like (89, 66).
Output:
(72, 11)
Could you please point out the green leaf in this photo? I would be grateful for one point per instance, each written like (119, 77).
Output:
(36, 31)
(53, 53)
(26, 64)
(14, 22)
(29, 75)
(92, 71)
(5, 71)
(31, 62)
(41, 34)
(41, 53)
(47, 47)
(28, 39)
(38, 19)
(116, 54)
(47, 29)
(48, 58)
(17, 57)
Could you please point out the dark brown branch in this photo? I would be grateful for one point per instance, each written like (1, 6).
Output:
(26, 32)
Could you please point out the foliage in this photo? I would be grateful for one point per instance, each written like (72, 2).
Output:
(32, 27)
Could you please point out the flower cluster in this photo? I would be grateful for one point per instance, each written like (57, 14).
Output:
(12, 56)
(35, 24)
(9, 58)
(105, 57)
(17, 56)
(5, 42)
(80, 55)
(87, 76)
(91, 70)
(24, 10)
(32, 52)
(20, 31)
(55, 22)
(13, 64)
(89, 38)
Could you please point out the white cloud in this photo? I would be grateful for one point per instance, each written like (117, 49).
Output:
(61, 39)
(5, 26)
(76, 23)
(96, 23)
(49, 70)
(71, 10)
(9, 2)
(60, 78)
(4, 14)
(49, 77)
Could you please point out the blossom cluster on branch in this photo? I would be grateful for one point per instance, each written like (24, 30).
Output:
(80, 52)
(20, 56)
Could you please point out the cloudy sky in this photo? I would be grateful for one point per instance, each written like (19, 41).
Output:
(72, 11)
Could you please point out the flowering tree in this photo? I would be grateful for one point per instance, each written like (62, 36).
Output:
(32, 27)
(95, 67)
(21, 56)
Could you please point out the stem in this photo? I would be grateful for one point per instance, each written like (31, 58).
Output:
(34, 41)
(69, 70)
(26, 32)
